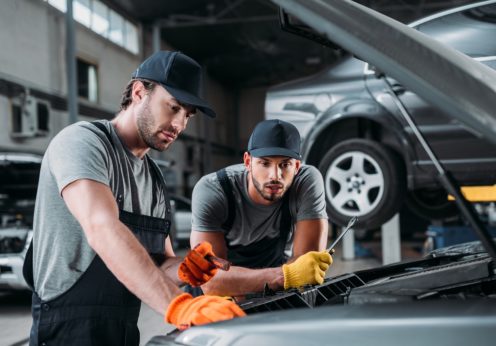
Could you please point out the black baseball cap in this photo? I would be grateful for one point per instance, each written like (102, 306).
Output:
(180, 75)
(275, 138)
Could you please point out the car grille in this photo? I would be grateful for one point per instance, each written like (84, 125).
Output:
(306, 297)
(9, 245)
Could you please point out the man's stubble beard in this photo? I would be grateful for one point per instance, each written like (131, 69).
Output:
(267, 196)
(272, 197)
(146, 126)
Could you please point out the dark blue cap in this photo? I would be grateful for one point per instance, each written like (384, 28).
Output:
(275, 138)
(180, 75)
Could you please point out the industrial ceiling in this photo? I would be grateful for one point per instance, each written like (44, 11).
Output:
(240, 41)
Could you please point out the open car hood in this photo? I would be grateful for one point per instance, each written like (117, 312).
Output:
(453, 82)
(19, 174)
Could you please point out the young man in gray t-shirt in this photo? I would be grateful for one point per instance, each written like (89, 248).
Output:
(252, 212)
(100, 235)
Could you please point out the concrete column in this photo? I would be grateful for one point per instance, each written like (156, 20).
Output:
(156, 37)
(391, 243)
(349, 245)
(70, 59)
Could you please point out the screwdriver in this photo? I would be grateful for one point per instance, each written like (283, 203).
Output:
(350, 224)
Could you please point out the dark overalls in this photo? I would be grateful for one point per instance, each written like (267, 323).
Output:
(98, 309)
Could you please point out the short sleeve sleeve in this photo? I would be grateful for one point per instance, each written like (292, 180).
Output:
(310, 194)
(209, 205)
(77, 153)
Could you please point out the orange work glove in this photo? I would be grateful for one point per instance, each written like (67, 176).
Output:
(195, 268)
(185, 311)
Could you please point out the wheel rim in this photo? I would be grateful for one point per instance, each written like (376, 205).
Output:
(354, 183)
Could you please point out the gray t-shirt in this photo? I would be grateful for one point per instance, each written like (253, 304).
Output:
(253, 221)
(82, 151)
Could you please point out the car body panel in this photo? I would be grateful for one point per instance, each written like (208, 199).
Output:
(408, 324)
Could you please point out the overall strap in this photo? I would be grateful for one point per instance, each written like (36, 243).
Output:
(27, 267)
(286, 222)
(120, 187)
(227, 188)
(102, 128)
(161, 180)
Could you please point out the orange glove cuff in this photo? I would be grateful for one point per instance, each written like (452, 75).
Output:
(175, 307)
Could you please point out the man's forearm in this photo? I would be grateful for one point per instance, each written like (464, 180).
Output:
(239, 281)
(128, 260)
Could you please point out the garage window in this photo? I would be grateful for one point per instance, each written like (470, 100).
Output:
(87, 80)
(97, 16)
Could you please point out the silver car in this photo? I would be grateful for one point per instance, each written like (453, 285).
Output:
(181, 207)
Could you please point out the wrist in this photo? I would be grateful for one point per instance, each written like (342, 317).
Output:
(277, 283)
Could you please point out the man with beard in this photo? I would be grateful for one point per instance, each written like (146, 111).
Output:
(102, 219)
(252, 212)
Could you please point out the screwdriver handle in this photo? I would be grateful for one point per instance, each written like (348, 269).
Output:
(220, 263)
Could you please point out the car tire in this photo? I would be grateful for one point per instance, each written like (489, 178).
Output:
(431, 204)
(365, 179)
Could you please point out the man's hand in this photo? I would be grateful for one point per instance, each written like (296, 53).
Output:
(196, 269)
(308, 269)
(185, 311)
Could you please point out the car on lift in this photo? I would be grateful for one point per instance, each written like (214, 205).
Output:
(446, 298)
(368, 155)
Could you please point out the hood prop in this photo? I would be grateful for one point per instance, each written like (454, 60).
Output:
(445, 177)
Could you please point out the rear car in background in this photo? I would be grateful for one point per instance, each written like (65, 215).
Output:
(19, 174)
(369, 157)
(182, 220)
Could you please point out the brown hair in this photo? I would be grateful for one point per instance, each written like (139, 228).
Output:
(126, 95)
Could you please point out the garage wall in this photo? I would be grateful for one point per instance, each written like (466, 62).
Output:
(251, 111)
(32, 36)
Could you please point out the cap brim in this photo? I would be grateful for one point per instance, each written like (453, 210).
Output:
(190, 99)
(274, 152)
